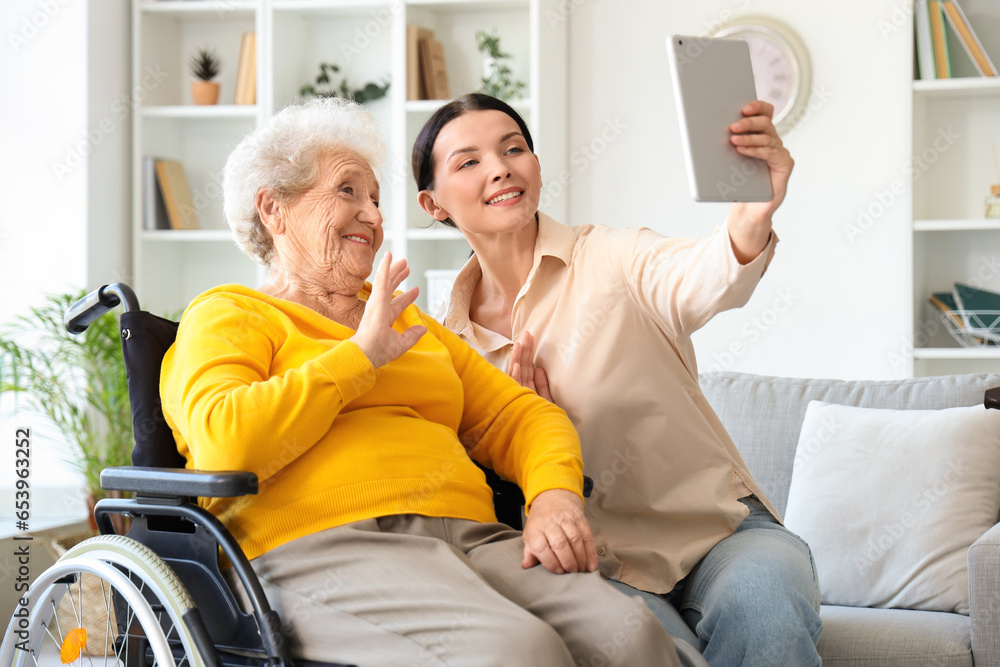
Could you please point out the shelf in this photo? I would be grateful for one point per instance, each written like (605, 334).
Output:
(434, 234)
(522, 106)
(956, 225)
(173, 235)
(223, 9)
(465, 5)
(962, 87)
(326, 6)
(956, 353)
(205, 112)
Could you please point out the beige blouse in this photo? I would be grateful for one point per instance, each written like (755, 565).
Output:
(612, 312)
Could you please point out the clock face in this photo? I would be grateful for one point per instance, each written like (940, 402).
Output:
(773, 72)
(780, 65)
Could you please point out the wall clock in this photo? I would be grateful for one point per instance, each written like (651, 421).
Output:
(781, 66)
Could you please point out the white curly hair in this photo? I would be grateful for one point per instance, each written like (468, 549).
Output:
(283, 156)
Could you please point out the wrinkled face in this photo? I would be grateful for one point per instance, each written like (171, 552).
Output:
(335, 228)
(485, 177)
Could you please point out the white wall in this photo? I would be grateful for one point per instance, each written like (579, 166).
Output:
(845, 303)
(62, 184)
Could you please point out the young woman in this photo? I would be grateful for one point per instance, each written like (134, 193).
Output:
(599, 321)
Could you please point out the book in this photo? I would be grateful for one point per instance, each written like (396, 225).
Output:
(967, 36)
(416, 89)
(435, 71)
(176, 195)
(924, 41)
(939, 39)
(245, 90)
(154, 211)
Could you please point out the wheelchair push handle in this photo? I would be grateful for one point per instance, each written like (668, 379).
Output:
(81, 314)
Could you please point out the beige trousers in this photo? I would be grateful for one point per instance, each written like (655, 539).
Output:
(414, 591)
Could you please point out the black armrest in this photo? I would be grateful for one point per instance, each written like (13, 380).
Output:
(992, 399)
(171, 482)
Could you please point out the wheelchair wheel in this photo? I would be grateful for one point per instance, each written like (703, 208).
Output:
(109, 600)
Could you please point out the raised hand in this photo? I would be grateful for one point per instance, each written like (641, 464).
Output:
(375, 335)
(521, 366)
(557, 534)
(755, 136)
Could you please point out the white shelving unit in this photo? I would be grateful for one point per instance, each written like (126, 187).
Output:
(367, 39)
(954, 123)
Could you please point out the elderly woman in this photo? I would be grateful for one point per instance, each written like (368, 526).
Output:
(374, 533)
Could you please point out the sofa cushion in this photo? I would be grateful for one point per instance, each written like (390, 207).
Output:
(891, 500)
(893, 638)
(763, 414)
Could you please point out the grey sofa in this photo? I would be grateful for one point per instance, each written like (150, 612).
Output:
(764, 416)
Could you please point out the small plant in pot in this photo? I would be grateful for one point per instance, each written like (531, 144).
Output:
(497, 78)
(77, 381)
(205, 67)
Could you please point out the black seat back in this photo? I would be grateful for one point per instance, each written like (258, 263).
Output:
(145, 339)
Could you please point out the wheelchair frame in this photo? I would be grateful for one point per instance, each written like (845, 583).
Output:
(152, 572)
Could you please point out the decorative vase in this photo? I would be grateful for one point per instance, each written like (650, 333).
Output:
(205, 92)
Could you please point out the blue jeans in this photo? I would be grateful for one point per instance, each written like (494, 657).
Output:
(752, 600)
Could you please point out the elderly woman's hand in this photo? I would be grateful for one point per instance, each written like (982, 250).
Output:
(375, 335)
(557, 534)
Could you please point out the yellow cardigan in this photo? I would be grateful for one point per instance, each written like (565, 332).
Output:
(266, 385)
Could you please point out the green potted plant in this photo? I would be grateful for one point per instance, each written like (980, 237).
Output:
(77, 381)
(367, 93)
(497, 80)
(204, 66)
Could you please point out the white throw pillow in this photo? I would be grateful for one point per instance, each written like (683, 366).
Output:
(891, 500)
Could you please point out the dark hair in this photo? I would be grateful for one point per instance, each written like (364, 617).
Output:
(422, 158)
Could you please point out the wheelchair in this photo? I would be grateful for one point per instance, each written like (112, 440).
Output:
(157, 596)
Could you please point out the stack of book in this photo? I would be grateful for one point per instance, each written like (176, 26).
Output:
(426, 72)
(971, 314)
(933, 59)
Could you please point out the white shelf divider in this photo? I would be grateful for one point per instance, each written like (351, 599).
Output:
(956, 225)
(960, 87)
(208, 112)
(956, 353)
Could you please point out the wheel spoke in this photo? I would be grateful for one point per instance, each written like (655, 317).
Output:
(107, 622)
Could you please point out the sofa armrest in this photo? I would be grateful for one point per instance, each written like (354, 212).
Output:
(984, 598)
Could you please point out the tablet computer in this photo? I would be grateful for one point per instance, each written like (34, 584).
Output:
(713, 81)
